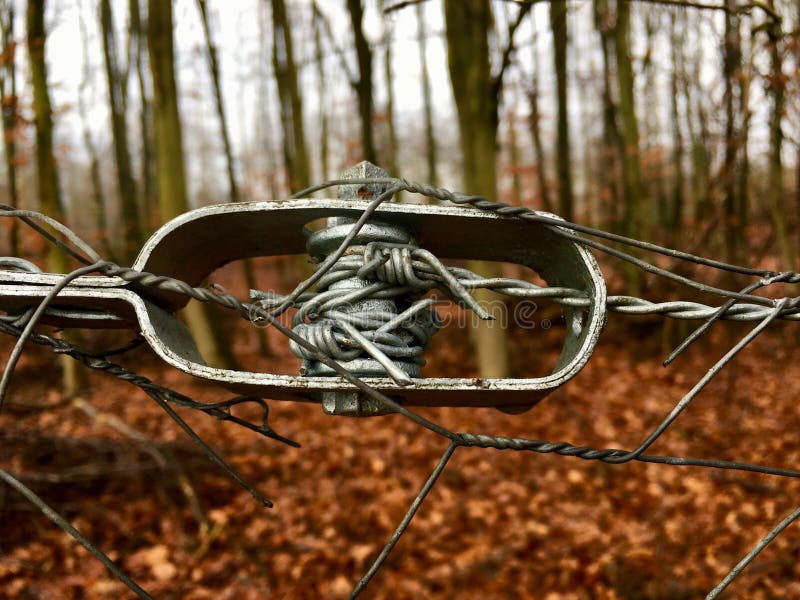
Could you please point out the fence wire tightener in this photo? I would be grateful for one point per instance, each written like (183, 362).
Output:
(400, 272)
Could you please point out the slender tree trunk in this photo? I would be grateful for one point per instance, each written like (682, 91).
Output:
(633, 185)
(538, 150)
(363, 86)
(431, 158)
(777, 92)
(655, 183)
(73, 375)
(558, 25)
(147, 189)
(132, 231)
(731, 68)
(586, 116)
(263, 122)
(46, 172)
(698, 130)
(797, 141)
(631, 168)
(322, 91)
(743, 168)
(10, 115)
(514, 155)
(98, 197)
(233, 186)
(170, 174)
(467, 23)
(611, 134)
(213, 67)
(388, 77)
(536, 135)
(675, 216)
(294, 137)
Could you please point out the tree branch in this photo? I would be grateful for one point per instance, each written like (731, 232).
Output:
(505, 61)
(744, 8)
(326, 26)
(402, 4)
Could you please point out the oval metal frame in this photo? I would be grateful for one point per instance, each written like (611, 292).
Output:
(193, 245)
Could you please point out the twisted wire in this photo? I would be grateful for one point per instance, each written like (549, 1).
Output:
(400, 266)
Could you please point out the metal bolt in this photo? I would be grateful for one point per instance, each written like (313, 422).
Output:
(325, 241)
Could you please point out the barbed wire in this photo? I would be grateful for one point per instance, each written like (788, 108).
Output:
(741, 305)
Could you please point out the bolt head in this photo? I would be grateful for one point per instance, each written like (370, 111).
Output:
(363, 170)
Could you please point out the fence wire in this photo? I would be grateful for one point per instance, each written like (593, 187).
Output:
(742, 305)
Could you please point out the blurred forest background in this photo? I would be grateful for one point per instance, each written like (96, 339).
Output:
(672, 121)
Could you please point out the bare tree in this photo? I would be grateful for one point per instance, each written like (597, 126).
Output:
(321, 90)
(389, 147)
(776, 89)
(98, 196)
(363, 85)
(233, 186)
(609, 154)
(170, 175)
(126, 184)
(10, 118)
(213, 67)
(427, 104)
(676, 209)
(73, 375)
(294, 138)
(477, 94)
(536, 135)
(731, 70)
(558, 25)
(137, 57)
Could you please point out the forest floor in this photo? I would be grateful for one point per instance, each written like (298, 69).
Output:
(499, 524)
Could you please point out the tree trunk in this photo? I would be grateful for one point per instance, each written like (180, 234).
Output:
(629, 152)
(322, 91)
(675, 214)
(698, 131)
(777, 93)
(796, 42)
(294, 138)
(611, 135)
(363, 86)
(391, 130)
(213, 67)
(147, 189)
(467, 24)
(558, 25)
(263, 122)
(432, 175)
(132, 231)
(233, 186)
(514, 156)
(98, 197)
(654, 182)
(731, 68)
(170, 175)
(536, 135)
(631, 168)
(10, 117)
(74, 376)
